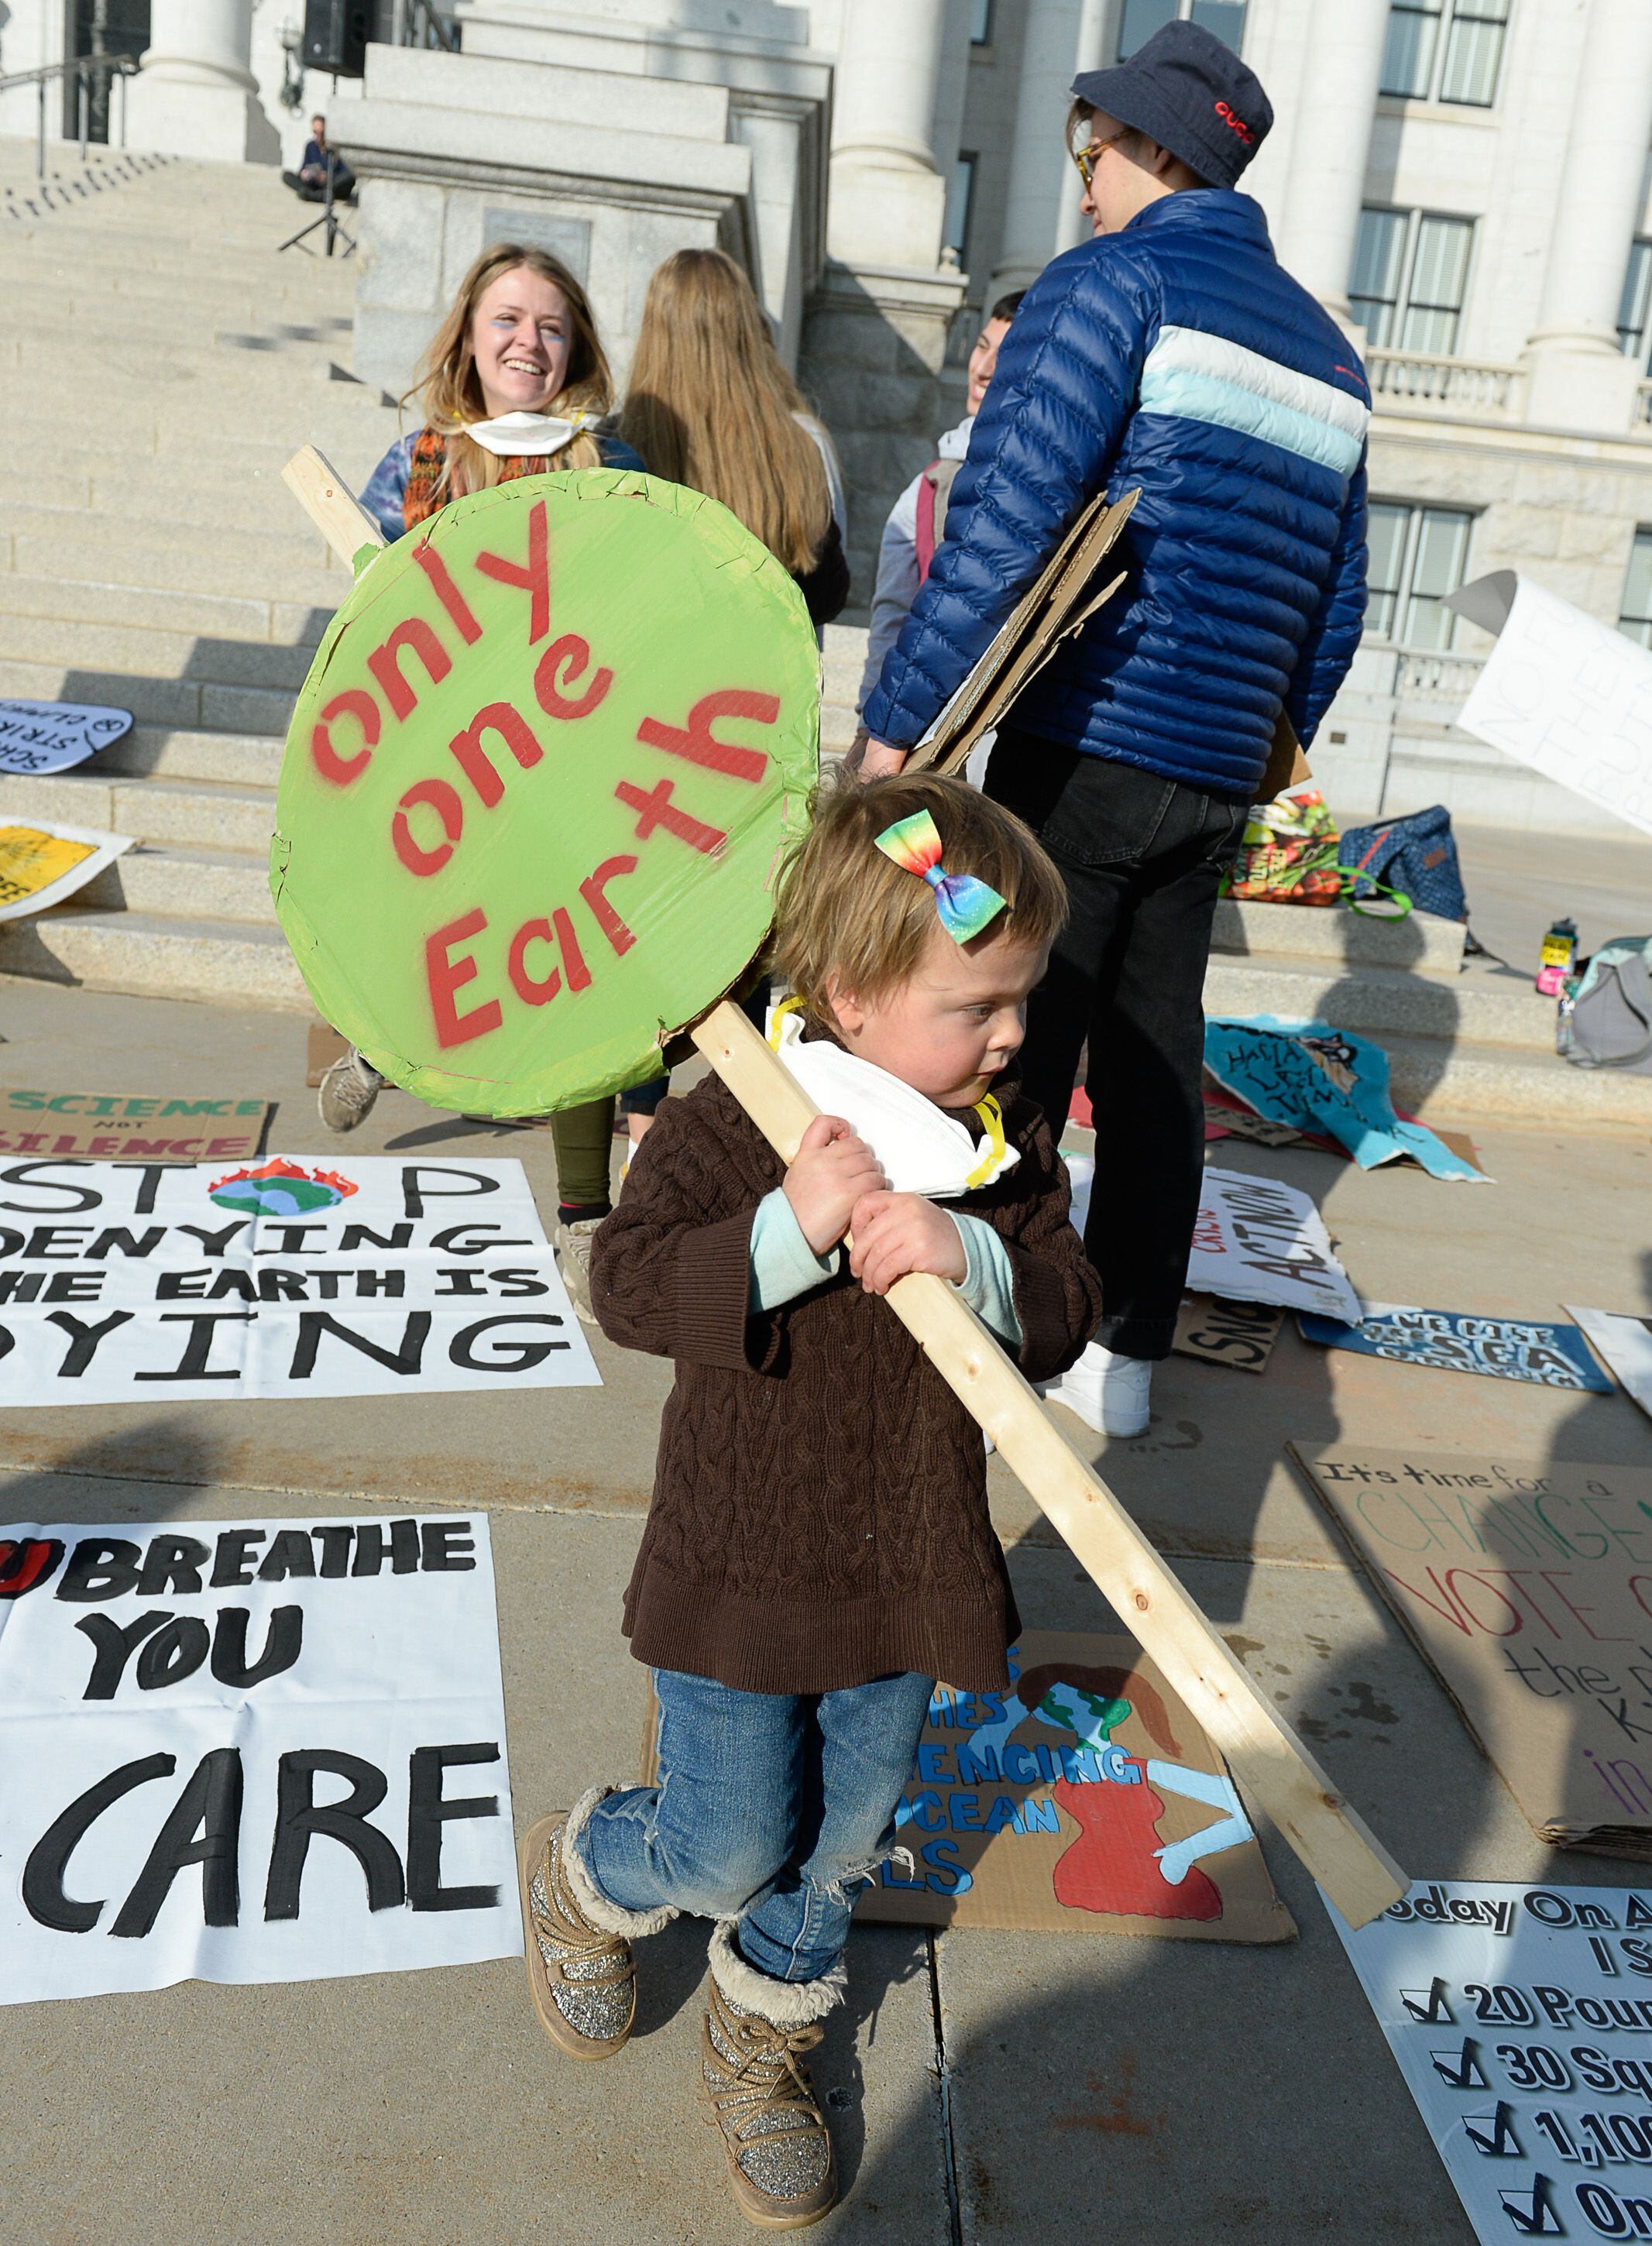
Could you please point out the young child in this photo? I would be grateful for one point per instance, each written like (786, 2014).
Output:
(819, 1550)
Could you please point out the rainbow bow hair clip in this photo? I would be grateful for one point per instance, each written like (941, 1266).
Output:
(966, 906)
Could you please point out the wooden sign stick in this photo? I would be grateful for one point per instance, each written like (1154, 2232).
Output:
(1360, 1878)
(330, 505)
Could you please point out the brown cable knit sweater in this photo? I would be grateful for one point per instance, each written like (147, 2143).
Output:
(819, 1514)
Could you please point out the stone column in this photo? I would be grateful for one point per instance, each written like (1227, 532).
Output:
(1044, 187)
(195, 94)
(1577, 378)
(1336, 109)
(888, 198)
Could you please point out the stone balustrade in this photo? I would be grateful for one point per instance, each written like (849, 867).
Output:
(1403, 379)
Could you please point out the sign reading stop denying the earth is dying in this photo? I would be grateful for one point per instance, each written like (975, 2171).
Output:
(540, 782)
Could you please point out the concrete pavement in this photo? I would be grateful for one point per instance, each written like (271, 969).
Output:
(996, 2088)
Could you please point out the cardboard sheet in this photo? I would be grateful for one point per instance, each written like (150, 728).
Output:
(1626, 1345)
(1464, 1341)
(48, 736)
(1256, 1241)
(1239, 1335)
(322, 1047)
(1071, 587)
(1316, 1079)
(1519, 2016)
(1563, 693)
(227, 1754)
(1093, 1805)
(45, 862)
(122, 1127)
(1528, 1589)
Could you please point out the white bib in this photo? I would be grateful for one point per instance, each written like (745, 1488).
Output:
(919, 1149)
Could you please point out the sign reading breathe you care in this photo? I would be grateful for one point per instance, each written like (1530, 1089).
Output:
(226, 1753)
(148, 1282)
(539, 784)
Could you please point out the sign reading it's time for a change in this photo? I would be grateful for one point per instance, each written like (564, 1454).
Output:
(545, 767)
(148, 1282)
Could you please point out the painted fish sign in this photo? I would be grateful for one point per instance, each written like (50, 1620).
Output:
(539, 782)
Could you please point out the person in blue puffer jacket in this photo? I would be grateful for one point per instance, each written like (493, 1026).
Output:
(1171, 355)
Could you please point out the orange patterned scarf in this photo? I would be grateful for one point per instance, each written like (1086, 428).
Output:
(426, 491)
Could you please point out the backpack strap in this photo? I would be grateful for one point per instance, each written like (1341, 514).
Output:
(928, 539)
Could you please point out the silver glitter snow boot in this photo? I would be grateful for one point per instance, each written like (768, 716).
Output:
(757, 2031)
(580, 1969)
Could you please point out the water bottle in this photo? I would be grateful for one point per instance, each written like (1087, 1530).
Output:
(1554, 959)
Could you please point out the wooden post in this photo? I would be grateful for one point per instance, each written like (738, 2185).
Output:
(1360, 1878)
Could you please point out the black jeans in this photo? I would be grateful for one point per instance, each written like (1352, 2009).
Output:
(1142, 858)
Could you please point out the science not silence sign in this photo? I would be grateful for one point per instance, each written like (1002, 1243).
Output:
(227, 1755)
(147, 1282)
(539, 784)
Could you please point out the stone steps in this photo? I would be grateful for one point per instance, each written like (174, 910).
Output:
(1488, 1005)
(269, 565)
(169, 614)
(213, 814)
(147, 652)
(188, 702)
(1438, 1079)
(177, 753)
(148, 955)
(183, 881)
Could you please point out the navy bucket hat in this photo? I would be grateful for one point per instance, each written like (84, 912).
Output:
(1186, 91)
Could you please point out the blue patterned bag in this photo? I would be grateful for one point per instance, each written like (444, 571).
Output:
(1415, 854)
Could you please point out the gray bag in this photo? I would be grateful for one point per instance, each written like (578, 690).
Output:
(1606, 1022)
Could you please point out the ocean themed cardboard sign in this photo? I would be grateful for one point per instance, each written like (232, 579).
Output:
(539, 785)
(1087, 1801)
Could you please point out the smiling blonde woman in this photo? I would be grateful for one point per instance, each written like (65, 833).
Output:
(515, 382)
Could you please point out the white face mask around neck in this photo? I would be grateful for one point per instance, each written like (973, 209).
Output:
(518, 436)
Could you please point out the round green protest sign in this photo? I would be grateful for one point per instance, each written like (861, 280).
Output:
(539, 781)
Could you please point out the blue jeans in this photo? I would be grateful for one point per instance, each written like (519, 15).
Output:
(771, 1809)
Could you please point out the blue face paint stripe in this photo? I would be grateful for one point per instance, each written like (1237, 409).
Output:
(1175, 390)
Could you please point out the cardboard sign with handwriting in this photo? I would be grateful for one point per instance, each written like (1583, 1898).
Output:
(1528, 1588)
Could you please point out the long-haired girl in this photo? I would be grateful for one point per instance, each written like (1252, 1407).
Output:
(710, 405)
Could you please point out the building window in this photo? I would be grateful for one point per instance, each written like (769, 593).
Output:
(1636, 619)
(960, 202)
(1418, 557)
(1141, 18)
(1638, 300)
(1445, 50)
(980, 23)
(1410, 270)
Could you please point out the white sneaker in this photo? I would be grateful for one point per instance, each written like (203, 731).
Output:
(1108, 1394)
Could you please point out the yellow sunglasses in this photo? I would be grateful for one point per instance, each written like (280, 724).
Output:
(1086, 158)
